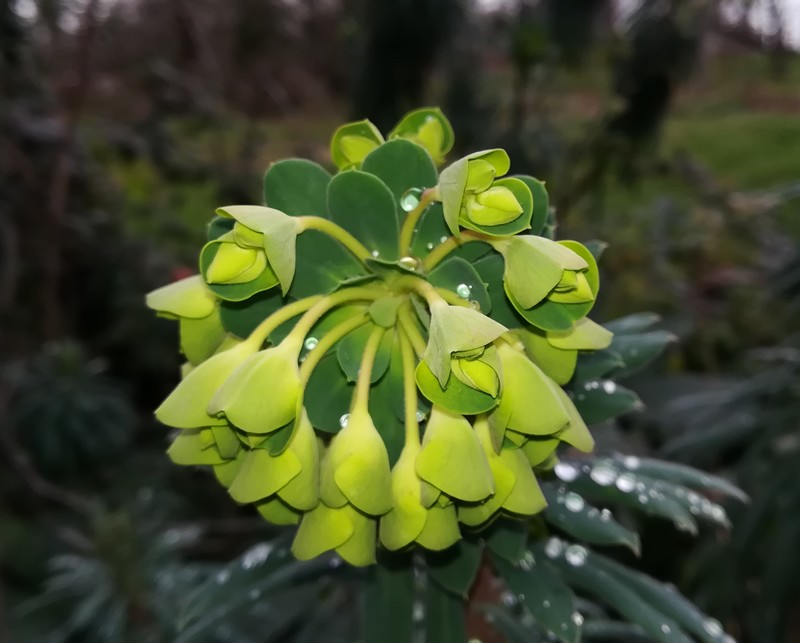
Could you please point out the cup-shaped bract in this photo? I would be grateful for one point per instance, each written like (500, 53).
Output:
(195, 307)
(261, 395)
(356, 467)
(455, 329)
(452, 459)
(429, 128)
(352, 142)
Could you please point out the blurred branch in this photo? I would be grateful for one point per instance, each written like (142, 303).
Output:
(59, 184)
(22, 464)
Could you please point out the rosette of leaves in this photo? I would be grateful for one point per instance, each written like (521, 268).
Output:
(386, 349)
(67, 414)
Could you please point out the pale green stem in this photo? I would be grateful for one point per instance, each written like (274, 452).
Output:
(452, 298)
(436, 255)
(307, 321)
(411, 220)
(336, 232)
(409, 327)
(409, 391)
(327, 342)
(361, 396)
(263, 330)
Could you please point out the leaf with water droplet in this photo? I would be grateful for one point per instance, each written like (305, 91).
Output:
(350, 351)
(455, 271)
(610, 590)
(668, 601)
(586, 523)
(542, 586)
(601, 403)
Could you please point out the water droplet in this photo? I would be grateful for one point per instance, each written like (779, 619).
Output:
(574, 502)
(606, 515)
(443, 238)
(626, 483)
(376, 254)
(430, 245)
(344, 420)
(527, 562)
(420, 416)
(335, 563)
(632, 462)
(666, 628)
(410, 199)
(566, 471)
(554, 547)
(577, 618)
(643, 498)
(256, 555)
(311, 343)
(576, 555)
(254, 594)
(603, 473)
(418, 613)
(463, 291)
(713, 627)
(223, 576)
(508, 599)
(609, 386)
(718, 513)
(546, 604)
(474, 304)
(409, 262)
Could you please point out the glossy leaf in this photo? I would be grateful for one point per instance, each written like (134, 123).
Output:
(297, 187)
(459, 276)
(455, 568)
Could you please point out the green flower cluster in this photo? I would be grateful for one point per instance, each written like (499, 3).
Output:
(377, 355)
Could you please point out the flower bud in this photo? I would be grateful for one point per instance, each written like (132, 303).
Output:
(494, 206)
(236, 265)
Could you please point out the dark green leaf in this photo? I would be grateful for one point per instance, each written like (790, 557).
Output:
(595, 364)
(541, 203)
(507, 538)
(444, 616)
(601, 400)
(455, 273)
(543, 593)
(389, 600)
(635, 323)
(507, 624)
(297, 187)
(386, 405)
(456, 567)
(401, 165)
(664, 598)
(328, 395)
(637, 350)
(323, 265)
(219, 226)
(587, 576)
(240, 318)
(364, 206)
(569, 512)
(350, 351)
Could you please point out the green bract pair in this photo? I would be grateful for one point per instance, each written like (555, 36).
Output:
(378, 354)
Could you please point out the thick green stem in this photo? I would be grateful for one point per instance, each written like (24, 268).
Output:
(307, 321)
(336, 232)
(327, 342)
(409, 327)
(436, 255)
(263, 330)
(361, 396)
(452, 298)
(411, 220)
(409, 391)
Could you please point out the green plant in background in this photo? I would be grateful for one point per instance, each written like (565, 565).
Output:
(391, 357)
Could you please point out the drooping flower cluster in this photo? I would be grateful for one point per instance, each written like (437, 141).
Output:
(377, 354)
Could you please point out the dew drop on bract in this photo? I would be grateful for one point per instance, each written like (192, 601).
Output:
(410, 199)
(344, 420)
(463, 291)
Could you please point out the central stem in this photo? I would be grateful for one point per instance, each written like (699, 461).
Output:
(411, 220)
(361, 396)
(409, 391)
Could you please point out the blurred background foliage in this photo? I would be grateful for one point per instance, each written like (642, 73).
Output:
(666, 128)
